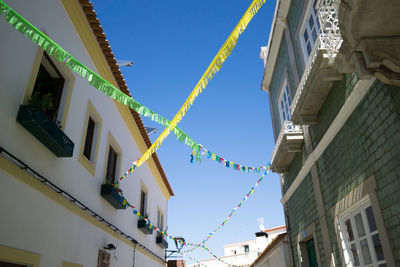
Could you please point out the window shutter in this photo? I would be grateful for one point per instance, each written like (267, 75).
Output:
(104, 259)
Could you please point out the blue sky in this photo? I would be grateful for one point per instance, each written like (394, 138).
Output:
(172, 43)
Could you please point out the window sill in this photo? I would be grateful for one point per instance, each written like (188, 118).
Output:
(87, 164)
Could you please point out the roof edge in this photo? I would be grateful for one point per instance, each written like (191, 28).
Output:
(279, 25)
(97, 29)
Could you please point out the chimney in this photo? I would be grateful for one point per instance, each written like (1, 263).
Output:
(261, 236)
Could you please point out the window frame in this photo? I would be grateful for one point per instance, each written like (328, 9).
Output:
(68, 86)
(90, 164)
(349, 214)
(114, 145)
(160, 219)
(305, 25)
(367, 189)
(284, 88)
(143, 206)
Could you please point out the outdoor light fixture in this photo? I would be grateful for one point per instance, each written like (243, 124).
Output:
(179, 243)
(109, 247)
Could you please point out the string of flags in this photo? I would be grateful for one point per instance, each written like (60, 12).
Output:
(57, 52)
(212, 69)
(60, 54)
(230, 214)
(153, 227)
(96, 81)
(227, 163)
(212, 254)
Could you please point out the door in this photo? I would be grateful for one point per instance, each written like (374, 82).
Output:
(312, 255)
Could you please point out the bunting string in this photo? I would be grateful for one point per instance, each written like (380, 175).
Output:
(212, 69)
(227, 163)
(94, 80)
(212, 254)
(61, 55)
(211, 234)
(151, 226)
(125, 202)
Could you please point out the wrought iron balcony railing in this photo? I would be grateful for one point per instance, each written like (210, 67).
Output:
(289, 142)
(319, 75)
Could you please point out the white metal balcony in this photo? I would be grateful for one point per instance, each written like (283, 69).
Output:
(319, 75)
(289, 142)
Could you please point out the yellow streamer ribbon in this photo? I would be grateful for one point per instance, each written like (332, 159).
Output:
(212, 69)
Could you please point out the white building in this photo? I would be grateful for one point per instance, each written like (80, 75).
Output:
(276, 254)
(246, 252)
(56, 159)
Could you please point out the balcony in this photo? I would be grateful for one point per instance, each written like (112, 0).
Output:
(33, 119)
(161, 242)
(289, 142)
(113, 197)
(319, 73)
(314, 87)
(144, 227)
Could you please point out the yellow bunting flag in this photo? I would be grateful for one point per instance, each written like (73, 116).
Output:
(212, 69)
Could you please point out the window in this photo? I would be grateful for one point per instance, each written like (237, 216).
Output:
(111, 165)
(246, 248)
(284, 103)
(90, 140)
(143, 202)
(160, 220)
(310, 30)
(362, 244)
(48, 88)
(87, 150)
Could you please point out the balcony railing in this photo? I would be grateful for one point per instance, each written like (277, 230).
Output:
(319, 75)
(33, 119)
(289, 142)
(330, 37)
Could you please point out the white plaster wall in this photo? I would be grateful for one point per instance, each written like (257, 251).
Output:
(17, 57)
(239, 247)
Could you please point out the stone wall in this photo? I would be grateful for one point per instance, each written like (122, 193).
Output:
(368, 144)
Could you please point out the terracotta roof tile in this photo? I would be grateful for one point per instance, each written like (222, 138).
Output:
(98, 32)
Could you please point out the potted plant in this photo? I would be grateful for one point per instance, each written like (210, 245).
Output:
(46, 102)
(144, 226)
(160, 240)
(37, 117)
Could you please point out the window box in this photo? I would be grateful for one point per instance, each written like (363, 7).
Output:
(113, 197)
(161, 242)
(38, 123)
(144, 227)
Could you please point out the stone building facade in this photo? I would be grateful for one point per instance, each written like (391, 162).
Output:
(332, 75)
